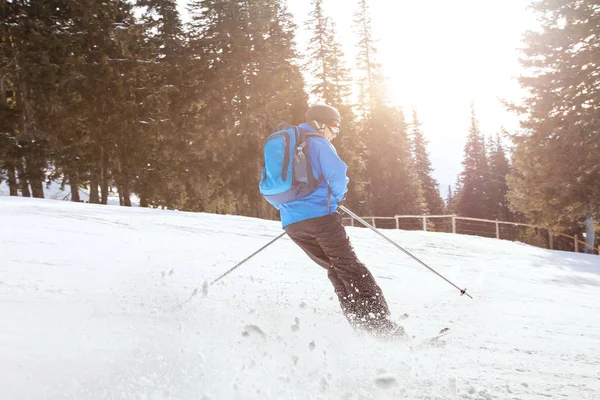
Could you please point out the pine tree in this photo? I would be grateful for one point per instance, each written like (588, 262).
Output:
(449, 200)
(431, 193)
(250, 83)
(219, 40)
(326, 59)
(174, 174)
(332, 86)
(471, 199)
(28, 30)
(113, 98)
(9, 149)
(556, 181)
(341, 81)
(391, 183)
(319, 53)
(276, 92)
(366, 62)
(34, 88)
(395, 187)
(61, 118)
(496, 187)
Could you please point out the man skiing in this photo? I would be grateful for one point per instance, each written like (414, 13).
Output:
(313, 223)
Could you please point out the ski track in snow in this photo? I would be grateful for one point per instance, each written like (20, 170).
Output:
(96, 303)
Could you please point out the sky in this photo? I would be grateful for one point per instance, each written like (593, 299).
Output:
(97, 302)
(439, 57)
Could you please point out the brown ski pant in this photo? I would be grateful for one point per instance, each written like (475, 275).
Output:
(325, 241)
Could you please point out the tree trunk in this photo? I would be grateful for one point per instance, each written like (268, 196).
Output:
(260, 212)
(37, 185)
(74, 183)
(94, 198)
(34, 162)
(23, 180)
(126, 193)
(205, 194)
(12, 178)
(12, 181)
(3, 102)
(104, 176)
(122, 179)
(34, 167)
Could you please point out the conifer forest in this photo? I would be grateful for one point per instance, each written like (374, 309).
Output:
(129, 97)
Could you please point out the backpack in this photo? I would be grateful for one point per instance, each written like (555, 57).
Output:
(287, 174)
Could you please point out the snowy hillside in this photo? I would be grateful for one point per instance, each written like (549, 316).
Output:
(91, 308)
(54, 191)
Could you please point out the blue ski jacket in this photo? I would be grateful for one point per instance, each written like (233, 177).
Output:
(331, 190)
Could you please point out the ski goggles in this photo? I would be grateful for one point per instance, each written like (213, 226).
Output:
(335, 127)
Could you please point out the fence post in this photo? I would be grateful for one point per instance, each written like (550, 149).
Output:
(373, 218)
(352, 222)
(497, 229)
(576, 244)
(590, 235)
(550, 240)
(454, 224)
(397, 222)
(425, 223)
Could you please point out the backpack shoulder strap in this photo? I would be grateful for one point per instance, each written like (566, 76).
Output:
(282, 126)
(302, 147)
(302, 135)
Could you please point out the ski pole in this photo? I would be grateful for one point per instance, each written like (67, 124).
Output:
(205, 285)
(365, 223)
(247, 258)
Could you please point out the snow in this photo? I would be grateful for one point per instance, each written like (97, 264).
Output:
(53, 190)
(105, 302)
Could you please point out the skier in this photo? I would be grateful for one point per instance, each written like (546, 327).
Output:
(313, 223)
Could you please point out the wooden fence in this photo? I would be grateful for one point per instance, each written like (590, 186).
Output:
(514, 231)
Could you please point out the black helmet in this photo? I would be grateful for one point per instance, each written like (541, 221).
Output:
(324, 114)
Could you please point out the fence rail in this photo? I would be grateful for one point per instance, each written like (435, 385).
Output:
(514, 231)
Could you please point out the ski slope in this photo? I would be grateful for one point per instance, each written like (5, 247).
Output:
(96, 303)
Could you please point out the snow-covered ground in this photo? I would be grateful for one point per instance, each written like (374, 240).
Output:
(55, 191)
(94, 305)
